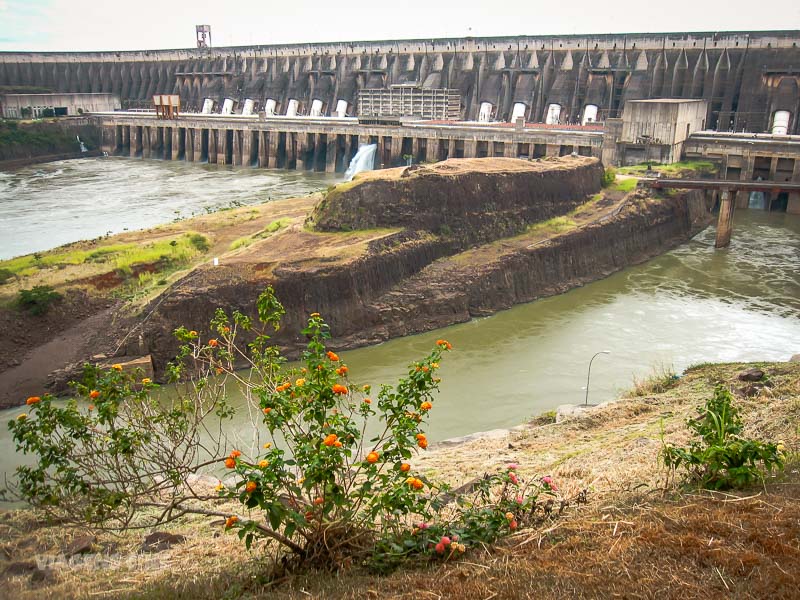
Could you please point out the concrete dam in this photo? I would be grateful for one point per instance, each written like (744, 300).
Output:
(746, 78)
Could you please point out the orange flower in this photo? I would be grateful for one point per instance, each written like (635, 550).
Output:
(213, 343)
(372, 458)
(435, 365)
(415, 483)
(117, 367)
(367, 387)
(337, 444)
(267, 445)
(219, 371)
(300, 382)
(230, 463)
(267, 410)
(330, 439)
(318, 501)
(94, 394)
(231, 521)
(235, 454)
(342, 371)
(367, 401)
(423, 443)
(339, 389)
(91, 407)
(226, 330)
(405, 467)
(33, 400)
(425, 406)
(263, 464)
(420, 436)
(147, 381)
(444, 344)
(314, 315)
(250, 487)
(512, 525)
(284, 387)
(333, 356)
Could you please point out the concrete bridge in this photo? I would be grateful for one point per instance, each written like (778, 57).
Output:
(726, 200)
(328, 144)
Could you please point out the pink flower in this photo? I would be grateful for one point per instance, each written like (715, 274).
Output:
(513, 466)
(423, 526)
(445, 540)
(513, 478)
(519, 499)
(547, 480)
(440, 548)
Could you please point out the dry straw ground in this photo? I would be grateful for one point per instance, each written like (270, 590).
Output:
(637, 537)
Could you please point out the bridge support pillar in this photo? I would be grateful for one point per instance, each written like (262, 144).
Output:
(432, 150)
(238, 149)
(222, 146)
(189, 145)
(126, 139)
(263, 151)
(331, 148)
(146, 143)
(176, 143)
(272, 153)
(793, 207)
(725, 222)
(213, 135)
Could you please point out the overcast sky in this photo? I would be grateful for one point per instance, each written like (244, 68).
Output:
(150, 24)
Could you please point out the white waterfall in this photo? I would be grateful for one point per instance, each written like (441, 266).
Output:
(364, 160)
(83, 146)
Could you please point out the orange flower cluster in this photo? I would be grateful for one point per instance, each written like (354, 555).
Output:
(415, 483)
(318, 501)
(444, 344)
(213, 343)
(405, 467)
(117, 367)
(193, 333)
(235, 454)
(283, 387)
(250, 487)
(267, 410)
(331, 439)
(226, 329)
(147, 381)
(425, 406)
(230, 463)
(332, 356)
(422, 441)
(94, 394)
(372, 458)
(342, 371)
(367, 401)
(263, 464)
(33, 400)
(339, 389)
(300, 382)
(314, 315)
(231, 521)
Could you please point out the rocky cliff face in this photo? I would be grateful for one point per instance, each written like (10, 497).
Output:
(466, 200)
(415, 280)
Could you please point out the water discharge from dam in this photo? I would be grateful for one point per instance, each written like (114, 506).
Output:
(364, 160)
(693, 304)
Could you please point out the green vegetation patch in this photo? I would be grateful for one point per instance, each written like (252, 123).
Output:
(553, 226)
(694, 166)
(273, 227)
(623, 185)
(117, 256)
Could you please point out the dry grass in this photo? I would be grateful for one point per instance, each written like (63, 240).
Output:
(636, 538)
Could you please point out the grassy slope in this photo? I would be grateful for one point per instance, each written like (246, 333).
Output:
(634, 538)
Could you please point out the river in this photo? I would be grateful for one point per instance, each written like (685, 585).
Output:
(693, 304)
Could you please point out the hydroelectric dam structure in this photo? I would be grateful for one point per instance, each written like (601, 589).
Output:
(729, 97)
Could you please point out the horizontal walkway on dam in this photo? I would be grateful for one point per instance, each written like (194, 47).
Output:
(328, 144)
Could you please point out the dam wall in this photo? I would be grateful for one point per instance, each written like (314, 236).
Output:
(745, 76)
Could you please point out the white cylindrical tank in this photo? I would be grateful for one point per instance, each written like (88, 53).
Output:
(780, 122)
(316, 108)
(485, 114)
(269, 107)
(291, 109)
(519, 111)
(247, 109)
(341, 108)
(208, 106)
(589, 114)
(227, 106)
(553, 113)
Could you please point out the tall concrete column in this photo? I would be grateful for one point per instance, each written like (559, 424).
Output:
(126, 139)
(147, 144)
(725, 221)
(293, 148)
(108, 138)
(773, 167)
(212, 146)
(415, 150)
(176, 142)
(397, 150)
(331, 148)
(510, 149)
(136, 140)
(317, 142)
(470, 148)
(197, 146)
(237, 148)
(432, 150)
(272, 154)
(793, 206)
(189, 145)
(451, 148)
(263, 150)
(553, 150)
(222, 147)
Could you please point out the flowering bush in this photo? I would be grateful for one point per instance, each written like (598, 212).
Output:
(312, 481)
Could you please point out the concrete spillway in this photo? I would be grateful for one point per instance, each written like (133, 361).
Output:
(745, 76)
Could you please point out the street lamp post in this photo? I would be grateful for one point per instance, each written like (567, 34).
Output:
(589, 374)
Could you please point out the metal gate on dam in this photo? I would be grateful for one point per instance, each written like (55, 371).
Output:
(745, 77)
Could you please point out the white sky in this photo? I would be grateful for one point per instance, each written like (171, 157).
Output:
(151, 24)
